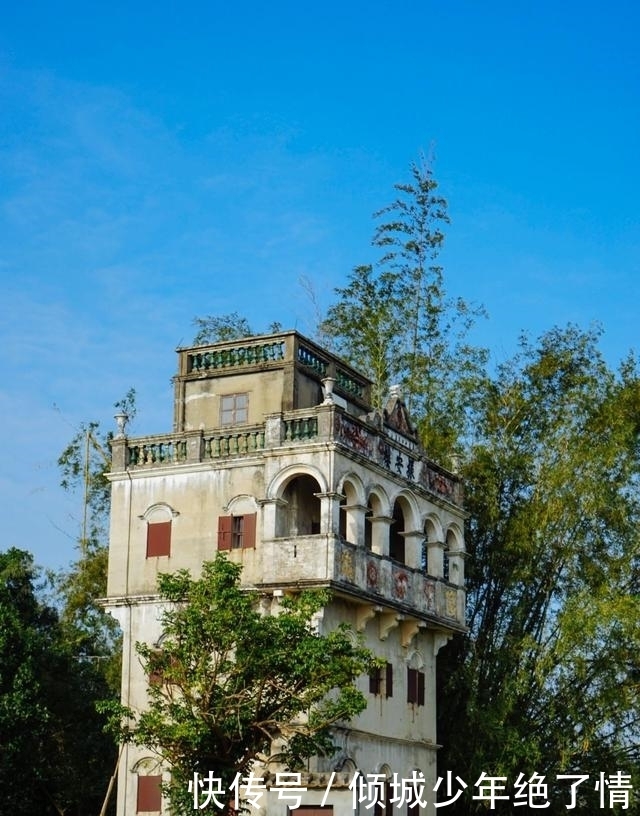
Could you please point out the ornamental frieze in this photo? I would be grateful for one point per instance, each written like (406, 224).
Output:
(437, 482)
(354, 436)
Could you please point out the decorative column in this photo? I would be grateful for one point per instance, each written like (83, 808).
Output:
(435, 558)
(329, 512)
(355, 515)
(456, 567)
(413, 548)
(380, 526)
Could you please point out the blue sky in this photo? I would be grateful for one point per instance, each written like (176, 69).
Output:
(162, 161)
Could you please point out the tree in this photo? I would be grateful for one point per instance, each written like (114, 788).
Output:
(218, 328)
(363, 324)
(396, 322)
(548, 679)
(55, 756)
(239, 686)
(84, 464)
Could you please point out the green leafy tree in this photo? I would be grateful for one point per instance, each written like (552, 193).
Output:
(396, 322)
(84, 465)
(548, 679)
(363, 326)
(239, 686)
(232, 326)
(55, 758)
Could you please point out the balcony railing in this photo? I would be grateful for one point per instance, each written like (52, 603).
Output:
(241, 443)
(244, 354)
(322, 424)
(327, 559)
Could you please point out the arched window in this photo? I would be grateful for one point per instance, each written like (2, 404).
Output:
(159, 520)
(300, 512)
(383, 805)
(396, 539)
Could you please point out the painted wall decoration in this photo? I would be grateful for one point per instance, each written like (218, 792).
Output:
(354, 436)
(430, 595)
(400, 584)
(348, 566)
(372, 575)
(451, 609)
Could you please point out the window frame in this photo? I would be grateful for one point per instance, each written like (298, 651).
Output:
(239, 414)
(382, 675)
(230, 537)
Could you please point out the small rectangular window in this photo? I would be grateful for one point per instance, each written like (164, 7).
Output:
(375, 679)
(237, 532)
(388, 680)
(381, 680)
(158, 538)
(415, 687)
(234, 409)
(149, 798)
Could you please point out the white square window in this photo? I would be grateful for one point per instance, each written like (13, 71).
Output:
(234, 409)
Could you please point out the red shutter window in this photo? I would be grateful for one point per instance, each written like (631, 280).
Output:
(388, 686)
(237, 532)
(224, 532)
(249, 539)
(158, 538)
(149, 798)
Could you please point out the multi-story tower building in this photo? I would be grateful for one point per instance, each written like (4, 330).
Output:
(277, 458)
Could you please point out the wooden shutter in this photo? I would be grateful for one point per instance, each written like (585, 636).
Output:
(249, 531)
(149, 798)
(412, 686)
(158, 538)
(374, 681)
(388, 685)
(225, 529)
(415, 686)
